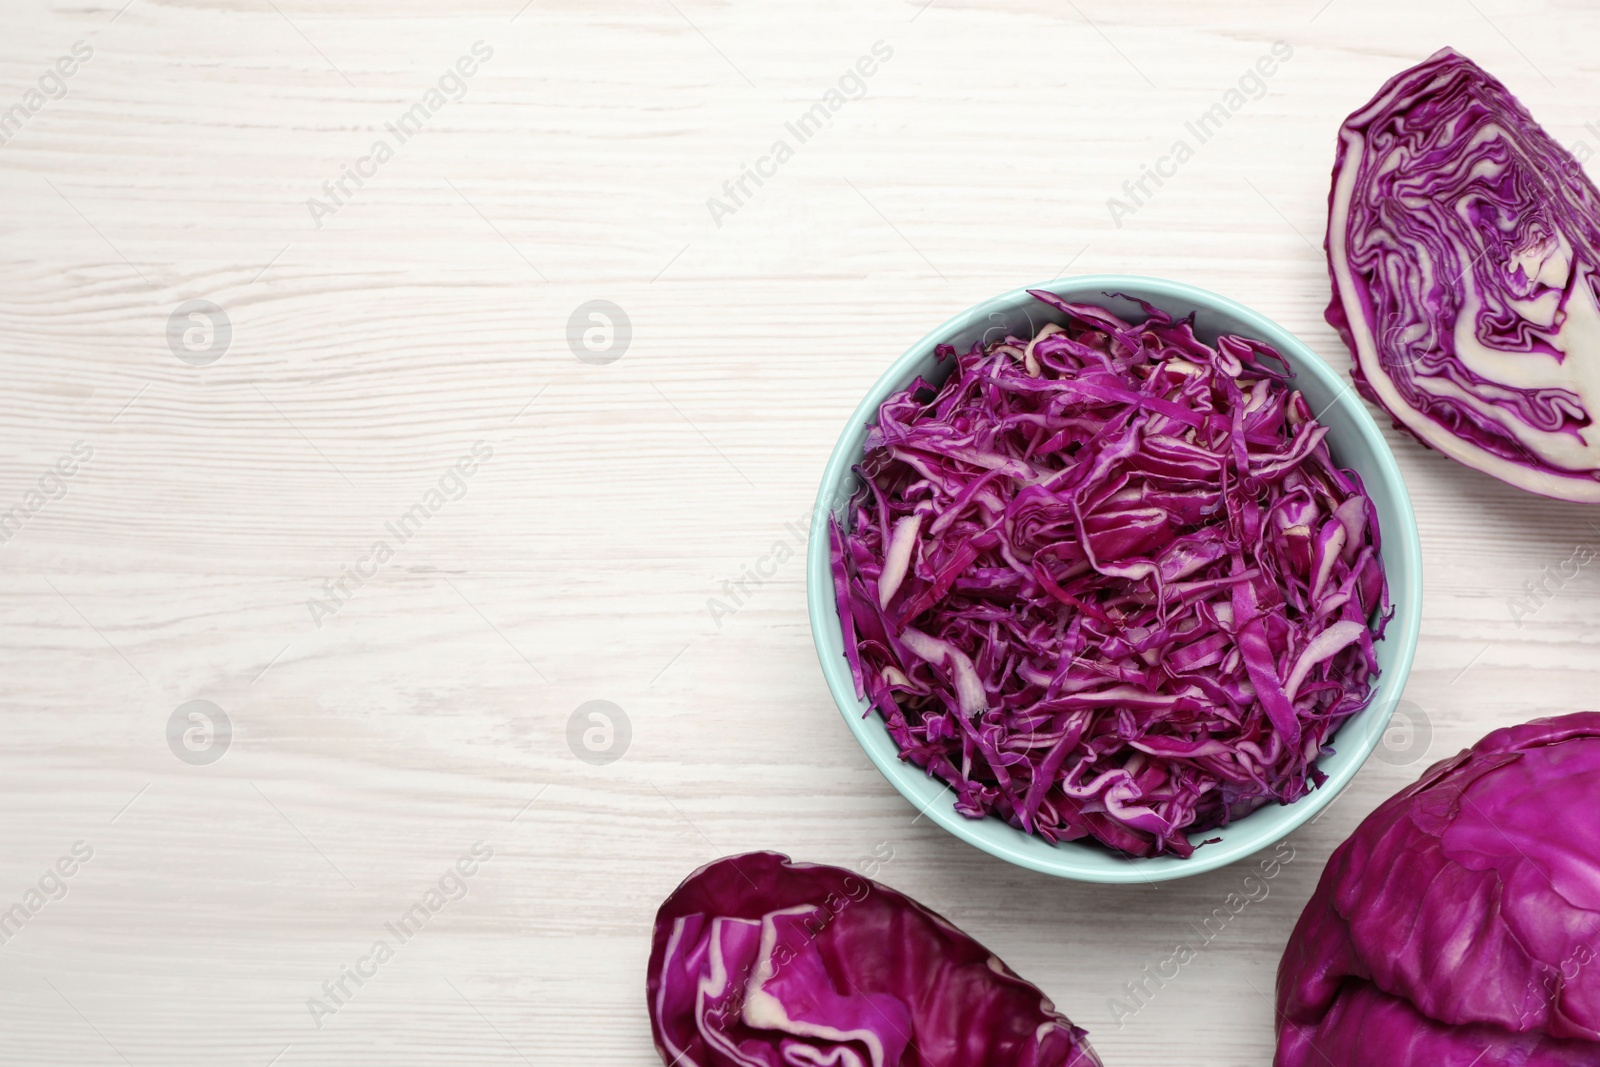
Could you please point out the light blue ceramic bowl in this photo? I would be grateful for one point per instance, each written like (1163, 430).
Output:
(1355, 443)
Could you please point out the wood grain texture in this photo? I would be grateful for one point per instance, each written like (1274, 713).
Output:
(429, 312)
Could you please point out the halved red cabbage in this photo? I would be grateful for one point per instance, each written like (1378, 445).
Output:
(1464, 244)
(1460, 924)
(1107, 582)
(759, 961)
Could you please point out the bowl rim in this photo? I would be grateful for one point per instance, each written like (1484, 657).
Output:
(1403, 628)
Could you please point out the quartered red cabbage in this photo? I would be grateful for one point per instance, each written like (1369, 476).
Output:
(1459, 926)
(759, 961)
(1463, 243)
(1106, 582)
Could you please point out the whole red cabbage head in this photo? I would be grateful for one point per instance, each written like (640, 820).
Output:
(1460, 924)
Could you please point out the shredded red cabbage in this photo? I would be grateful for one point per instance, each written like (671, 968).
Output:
(1108, 583)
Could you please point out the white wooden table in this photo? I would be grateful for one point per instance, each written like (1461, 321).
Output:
(375, 337)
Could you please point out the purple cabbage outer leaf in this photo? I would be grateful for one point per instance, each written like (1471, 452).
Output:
(758, 961)
(1108, 583)
(1464, 245)
(1460, 924)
